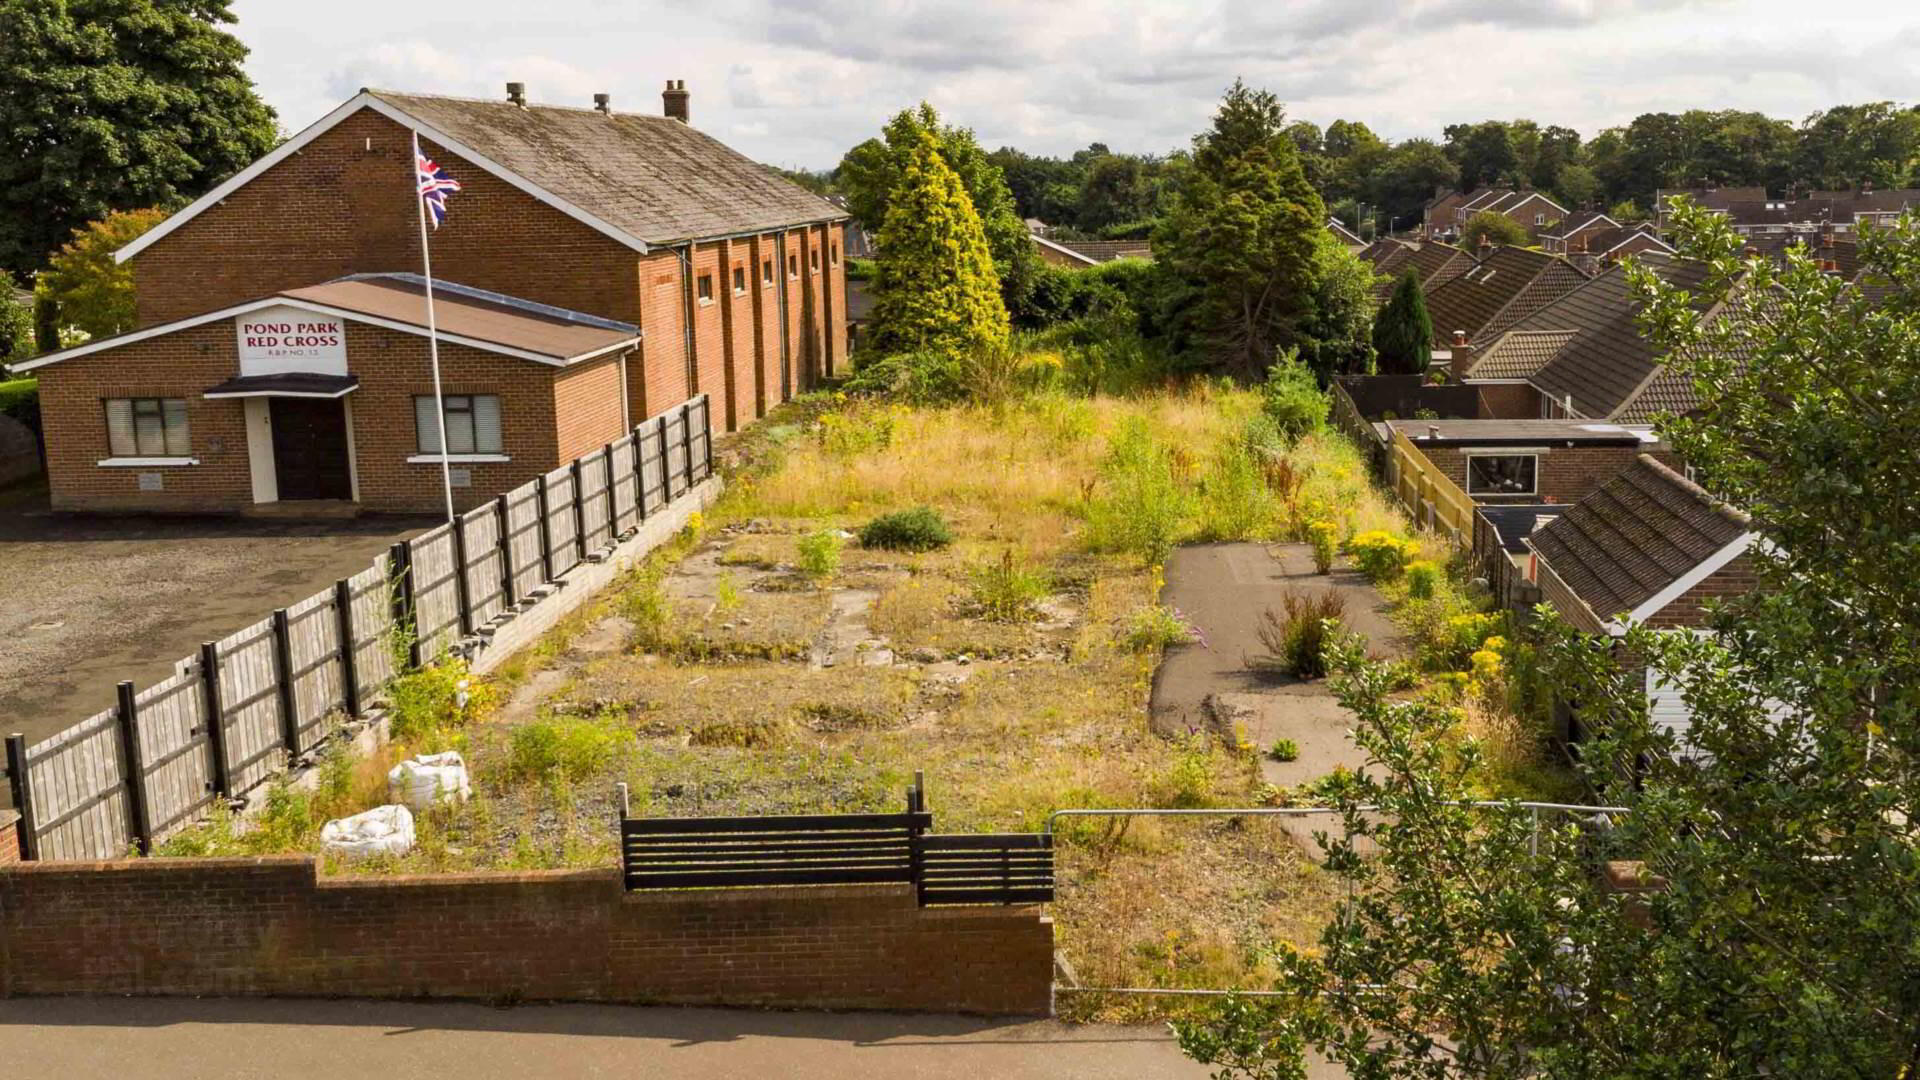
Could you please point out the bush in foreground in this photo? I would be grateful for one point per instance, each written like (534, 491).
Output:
(919, 529)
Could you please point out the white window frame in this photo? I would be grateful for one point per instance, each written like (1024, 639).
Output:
(169, 450)
(1532, 454)
(425, 437)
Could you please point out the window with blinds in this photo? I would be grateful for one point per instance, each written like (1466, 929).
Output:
(473, 424)
(147, 427)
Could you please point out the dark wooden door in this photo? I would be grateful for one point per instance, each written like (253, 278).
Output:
(310, 448)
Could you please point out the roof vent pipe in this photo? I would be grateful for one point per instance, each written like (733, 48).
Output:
(674, 100)
(517, 93)
(603, 102)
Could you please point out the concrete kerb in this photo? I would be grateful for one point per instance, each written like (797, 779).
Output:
(498, 641)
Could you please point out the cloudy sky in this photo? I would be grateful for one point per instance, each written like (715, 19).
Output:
(795, 82)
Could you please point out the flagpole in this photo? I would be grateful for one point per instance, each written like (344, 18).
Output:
(433, 331)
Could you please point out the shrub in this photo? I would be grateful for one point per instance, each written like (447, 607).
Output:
(1235, 503)
(1157, 626)
(1325, 537)
(919, 529)
(1296, 636)
(1007, 591)
(854, 431)
(1423, 577)
(1142, 507)
(566, 747)
(424, 706)
(1293, 400)
(644, 603)
(1465, 635)
(1381, 555)
(1284, 750)
(820, 554)
(20, 399)
(726, 595)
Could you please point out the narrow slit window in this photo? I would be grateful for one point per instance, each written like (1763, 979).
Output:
(705, 288)
(766, 271)
(739, 280)
(793, 266)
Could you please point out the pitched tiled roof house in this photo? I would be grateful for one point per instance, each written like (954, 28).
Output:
(1651, 548)
(717, 276)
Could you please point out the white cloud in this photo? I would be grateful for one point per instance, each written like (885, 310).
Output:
(799, 81)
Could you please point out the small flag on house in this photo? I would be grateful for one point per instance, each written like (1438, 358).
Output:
(435, 184)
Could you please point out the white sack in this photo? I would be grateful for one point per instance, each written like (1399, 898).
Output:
(418, 783)
(383, 830)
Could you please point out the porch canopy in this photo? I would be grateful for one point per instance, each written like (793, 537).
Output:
(302, 384)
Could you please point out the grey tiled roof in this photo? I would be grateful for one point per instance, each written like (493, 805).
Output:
(1606, 365)
(652, 177)
(1635, 535)
(1108, 250)
(1482, 300)
(1520, 354)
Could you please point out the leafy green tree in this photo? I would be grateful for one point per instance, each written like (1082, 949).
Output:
(871, 172)
(1779, 939)
(114, 105)
(1496, 228)
(16, 326)
(1877, 143)
(1484, 152)
(1575, 187)
(92, 293)
(1412, 172)
(1337, 336)
(935, 289)
(1240, 241)
(1403, 332)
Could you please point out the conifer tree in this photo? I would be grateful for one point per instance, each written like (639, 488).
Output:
(1402, 332)
(935, 286)
(1240, 242)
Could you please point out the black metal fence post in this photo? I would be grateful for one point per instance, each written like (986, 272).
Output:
(22, 784)
(543, 503)
(666, 462)
(613, 513)
(686, 444)
(706, 436)
(283, 683)
(640, 479)
(579, 513)
(461, 591)
(916, 804)
(400, 567)
(139, 821)
(500, 517)
(349, 662)
(215, 718)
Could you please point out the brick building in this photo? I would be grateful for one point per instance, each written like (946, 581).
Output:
(1528, 461)
(1649, 547)
(720, 277)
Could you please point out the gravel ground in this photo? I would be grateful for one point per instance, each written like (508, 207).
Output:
(89, 600)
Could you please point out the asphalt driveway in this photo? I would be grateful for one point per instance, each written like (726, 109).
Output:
(86, 601)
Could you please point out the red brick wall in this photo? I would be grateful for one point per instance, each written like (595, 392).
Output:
(1689, 609)
(663, 318)
(1565, 474)
(586, 401)
(392, 367)
(709, 329)
(343, 204)
(9, 840)
(268, 927)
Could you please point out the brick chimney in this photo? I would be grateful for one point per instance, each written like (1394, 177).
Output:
(517, 93)
(674, 100)
(1486, 246)
(1462, 356)
(604, 103)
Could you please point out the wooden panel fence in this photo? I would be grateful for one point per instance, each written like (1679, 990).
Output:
(234, 715)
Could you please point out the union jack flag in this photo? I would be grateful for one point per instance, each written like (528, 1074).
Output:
(435, 185)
